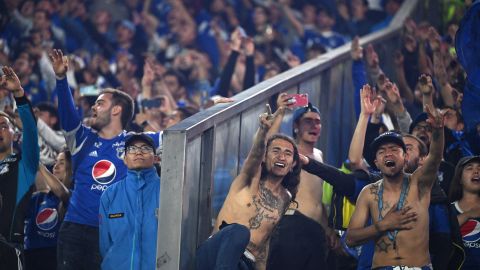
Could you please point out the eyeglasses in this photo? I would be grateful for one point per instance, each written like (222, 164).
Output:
(142, 149)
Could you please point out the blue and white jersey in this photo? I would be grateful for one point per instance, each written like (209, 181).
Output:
(97, 162)
(43, 221)
(329, 40)
(470, 232)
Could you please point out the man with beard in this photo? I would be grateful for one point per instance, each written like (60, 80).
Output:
(255, 203)
(398, 203)
(306, 248)
(97, 156)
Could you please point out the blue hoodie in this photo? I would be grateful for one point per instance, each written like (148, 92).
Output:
(128, 222)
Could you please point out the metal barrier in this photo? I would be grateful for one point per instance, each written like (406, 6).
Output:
(202, 154)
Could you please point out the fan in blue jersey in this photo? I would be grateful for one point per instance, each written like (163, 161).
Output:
(97, 155)
(46, 211)
(465, 195)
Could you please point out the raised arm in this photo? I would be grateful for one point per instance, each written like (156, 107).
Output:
(297, 25)
(359, 74)
(358, 140)
(250, 169)
(427, 174)
(56, 186)
(425, 86)
(69, 118)
(30, 150)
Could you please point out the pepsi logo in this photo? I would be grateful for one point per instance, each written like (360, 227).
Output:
(103, 172)
(470, 231)
(47, 218)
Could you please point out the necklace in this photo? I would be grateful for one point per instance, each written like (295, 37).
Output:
(401, 201)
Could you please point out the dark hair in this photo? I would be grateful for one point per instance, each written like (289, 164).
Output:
(9, 118)
(456, 190)
(187, 111)
(182, 80)
(422, 147)
(47, 107)
(68, 181)
(292, 179)
(123, 100)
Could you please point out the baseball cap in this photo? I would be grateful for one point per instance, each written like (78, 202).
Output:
(465, 160)
(127, 24)
(420, 118)
(132, 137)
(388, 137)
(298, 113)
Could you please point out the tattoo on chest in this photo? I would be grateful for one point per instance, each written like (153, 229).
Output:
(268, 207)
(382, 246)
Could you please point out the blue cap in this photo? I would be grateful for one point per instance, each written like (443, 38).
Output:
(420, 118)
(133, 137)
(298, 113)
(388, 137)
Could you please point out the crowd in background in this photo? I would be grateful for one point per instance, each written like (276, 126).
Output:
(175, 58)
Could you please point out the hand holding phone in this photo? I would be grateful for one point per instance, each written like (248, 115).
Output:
(298, 100)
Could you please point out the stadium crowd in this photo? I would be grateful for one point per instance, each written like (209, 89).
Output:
(89, 86)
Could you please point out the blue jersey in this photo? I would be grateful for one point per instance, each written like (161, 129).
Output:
(98, 162)
(470, 232)
(43, 221)
(329, 40)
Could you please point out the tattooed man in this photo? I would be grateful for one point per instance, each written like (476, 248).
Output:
(255, 203)
(398, 204)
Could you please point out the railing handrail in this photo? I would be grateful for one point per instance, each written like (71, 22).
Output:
(203, 120)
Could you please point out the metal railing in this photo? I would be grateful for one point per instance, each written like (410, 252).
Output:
(202, 154)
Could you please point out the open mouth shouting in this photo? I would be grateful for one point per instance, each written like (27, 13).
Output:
(476, 179)
(389, 163)
(279, 164)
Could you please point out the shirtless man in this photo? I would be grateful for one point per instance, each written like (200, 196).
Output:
(256, 201)
(299, 241)
(398, 204)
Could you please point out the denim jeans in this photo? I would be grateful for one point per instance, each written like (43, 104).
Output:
(224, 250)
(78, 247)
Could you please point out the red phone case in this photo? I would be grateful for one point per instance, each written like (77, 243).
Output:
(299, 100)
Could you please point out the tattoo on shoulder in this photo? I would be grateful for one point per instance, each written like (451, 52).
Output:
(374, 190)
(382, 246)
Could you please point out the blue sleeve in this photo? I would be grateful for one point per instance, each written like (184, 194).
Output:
(470, 108)
(69, 118)
(30, 151)
(104, 229)
(359, 77)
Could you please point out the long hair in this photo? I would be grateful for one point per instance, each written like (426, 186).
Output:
(292, 179)
(456, 189)
(68, 182)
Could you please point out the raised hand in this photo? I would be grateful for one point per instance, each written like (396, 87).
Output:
(284, 100)
(10, 82)
(249, 46)
(59, 63)
(367, 106)
(393, 94)
(236, 40)
(435, 117)
(398, 219)
(356, 50)
(434, 39)
(267, 118)
(371, 57)
(425, 85)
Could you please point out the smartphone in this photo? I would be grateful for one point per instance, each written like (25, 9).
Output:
(89, 90)
(152, 103)
(298, 100)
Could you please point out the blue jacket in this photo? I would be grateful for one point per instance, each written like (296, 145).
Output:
(128, 222)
